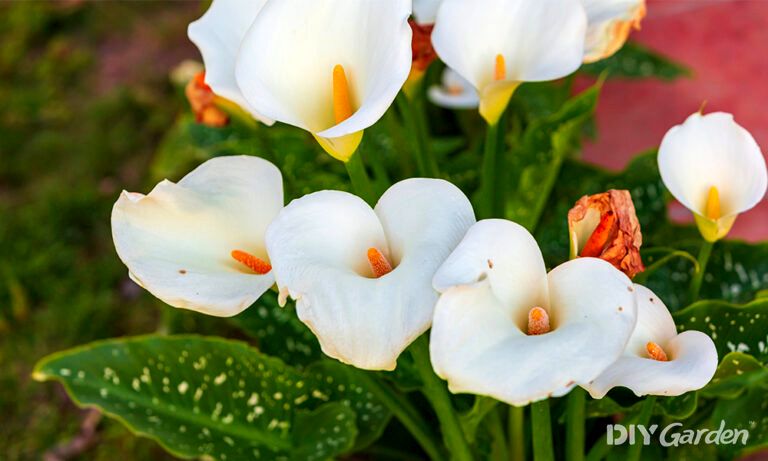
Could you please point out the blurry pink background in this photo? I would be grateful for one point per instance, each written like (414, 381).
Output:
(725, 44)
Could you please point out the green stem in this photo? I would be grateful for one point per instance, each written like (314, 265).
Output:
(698, 276)
(412, 111)
(493, 196)
(541, 431)
(435, 391)
(575, 421)
(517, 433)
(361, 183)
(405, 412)
(499, 451)
(643, 419)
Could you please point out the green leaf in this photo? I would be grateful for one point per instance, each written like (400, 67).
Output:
(636, 61)
(733, 327)
(679, 407)
(205, 397)
(736, 272)
(278, 331)
(736, 372)
(536, 161)
(341, 383)
(749, 411)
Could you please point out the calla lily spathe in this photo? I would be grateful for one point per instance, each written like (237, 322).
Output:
(454, 93)
(715, 168)
(505, 328)
(498, 44)
(425, 11)
(609, 25)
(361, 277)
(218, 34)
(658, 360)
(331, 67)
(199, 244)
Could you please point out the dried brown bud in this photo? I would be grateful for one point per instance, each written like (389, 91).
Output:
(423, 53)
(605, 226)
(202, 101)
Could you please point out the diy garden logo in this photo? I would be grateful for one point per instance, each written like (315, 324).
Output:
(672, 436)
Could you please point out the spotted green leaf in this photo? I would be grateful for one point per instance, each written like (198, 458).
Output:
(736, 372)
(749, 411)
(206, 397)
(278, 331)
(733, 327)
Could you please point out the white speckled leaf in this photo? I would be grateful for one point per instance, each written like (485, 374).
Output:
(207, 397)
(733, 327)
(279, 332)
(736, 372)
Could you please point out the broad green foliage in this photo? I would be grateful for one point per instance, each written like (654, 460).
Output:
(734, 328)
(736, 272)
(536, 158)
(749, 411)
(278, 331)
(219, 399)
(736, 372)
(635, 61)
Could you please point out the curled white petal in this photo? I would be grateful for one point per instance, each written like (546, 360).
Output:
(713, 151)
(217, 34)
(454, 93)
(541, 40)
(177, 240)
(286, 61)
(692, 355)
(609, 25)
(504, 253)
(479, 340)
(318, 245)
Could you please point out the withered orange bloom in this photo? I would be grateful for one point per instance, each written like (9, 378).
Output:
(202, 101)
(605, 226)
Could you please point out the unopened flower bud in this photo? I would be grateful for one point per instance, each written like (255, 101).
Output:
(202, 101)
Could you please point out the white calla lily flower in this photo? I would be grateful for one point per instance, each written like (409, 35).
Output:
(218, 34)
(425, 11)
(454, 93)
(331, 67)
(714, 168)
(658, 360)
(506, 328)
(498, 44)
(609, 25)
(199, 244)
(361, 277)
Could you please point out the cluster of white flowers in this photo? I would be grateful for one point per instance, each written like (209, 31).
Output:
(369, 281)
(333, 67)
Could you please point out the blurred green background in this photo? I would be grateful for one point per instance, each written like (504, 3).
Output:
(85, 99)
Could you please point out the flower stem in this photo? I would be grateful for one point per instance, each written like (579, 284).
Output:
(405, 412)
(435, 391)
(361, 183)
(493, 196)
(646, 411)
(698, 276)
(574, 440)
(541, 431)
(517, 433)
(412, 111)
(500, 451)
